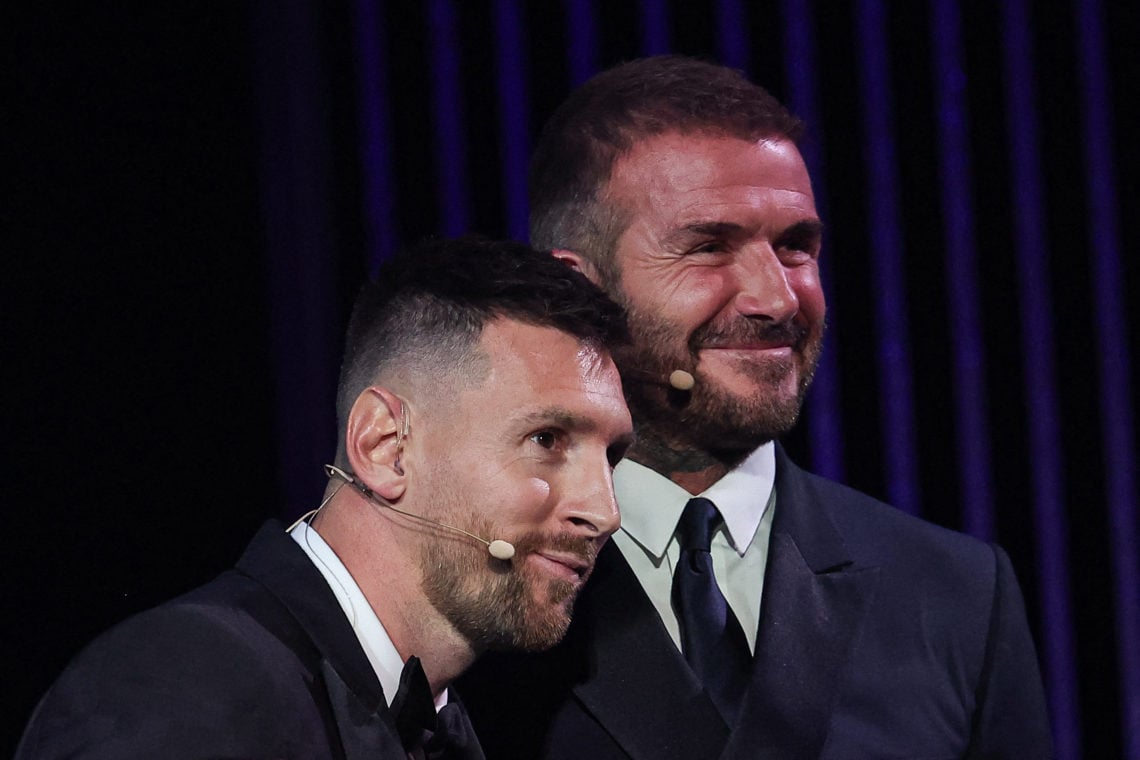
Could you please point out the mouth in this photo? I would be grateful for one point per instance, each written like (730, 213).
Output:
(784, 338)
(755, 350)
(751, 352)
(566, 567)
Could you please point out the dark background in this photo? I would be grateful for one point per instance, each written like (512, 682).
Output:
(193, 191)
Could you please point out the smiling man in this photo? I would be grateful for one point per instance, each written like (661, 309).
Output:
(718, 265)
(480, 419)
(746, 608)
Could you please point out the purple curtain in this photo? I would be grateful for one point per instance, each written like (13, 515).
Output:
(974, 165)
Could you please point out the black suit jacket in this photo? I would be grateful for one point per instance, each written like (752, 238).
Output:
(259, 663)
(881, 636)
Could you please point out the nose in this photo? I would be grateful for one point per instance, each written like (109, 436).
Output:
(591, 509)
(763, 288)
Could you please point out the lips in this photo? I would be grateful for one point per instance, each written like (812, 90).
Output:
(751, 336)
(751, 346)
(569, 567)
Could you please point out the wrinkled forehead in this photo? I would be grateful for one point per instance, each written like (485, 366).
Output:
(706, 152)
(668, 173)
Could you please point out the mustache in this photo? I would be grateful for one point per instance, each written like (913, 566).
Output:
(746, 330)
(582, 547)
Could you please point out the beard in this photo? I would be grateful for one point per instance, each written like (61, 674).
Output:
(501, 606)
(710, 417)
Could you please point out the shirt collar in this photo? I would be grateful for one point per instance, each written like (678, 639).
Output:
(374, 640)
(651, 504)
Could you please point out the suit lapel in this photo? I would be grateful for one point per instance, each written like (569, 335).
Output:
(366, 730)
(358, 704)
(628, 645)
(814, 596)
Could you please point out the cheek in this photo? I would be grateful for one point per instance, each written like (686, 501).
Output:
(684, 301)
(540, 490)
(528, 501)
(809, 291)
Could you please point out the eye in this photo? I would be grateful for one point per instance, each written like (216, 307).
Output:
(800, 243)
(797, 254)
(547, 439)
(616, 453)
(710, 246)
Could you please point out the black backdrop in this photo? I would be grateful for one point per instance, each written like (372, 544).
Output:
(194, 190)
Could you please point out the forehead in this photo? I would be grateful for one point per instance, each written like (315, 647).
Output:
(535, 364)
(677, 176)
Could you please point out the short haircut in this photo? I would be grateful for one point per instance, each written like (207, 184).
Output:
(425, 312)
(607, 115)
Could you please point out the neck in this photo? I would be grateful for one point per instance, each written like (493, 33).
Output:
(416, 629)
(386, 571)
(692, 468)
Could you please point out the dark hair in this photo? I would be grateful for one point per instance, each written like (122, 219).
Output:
(603, 118)
(428, 306)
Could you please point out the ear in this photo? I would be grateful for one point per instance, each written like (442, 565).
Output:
(372, 441)
(575, 260)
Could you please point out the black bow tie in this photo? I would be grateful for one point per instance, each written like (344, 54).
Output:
(446, 735)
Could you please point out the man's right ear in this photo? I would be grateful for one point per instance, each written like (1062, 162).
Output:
(575, 260)
(374, 441)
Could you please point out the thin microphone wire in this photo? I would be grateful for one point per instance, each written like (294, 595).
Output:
(305, 518)
(335, 472)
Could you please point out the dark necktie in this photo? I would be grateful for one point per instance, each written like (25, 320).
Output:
(711, 637)
(446, 735)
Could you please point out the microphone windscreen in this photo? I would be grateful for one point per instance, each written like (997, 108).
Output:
(500, 549)
(682, 380)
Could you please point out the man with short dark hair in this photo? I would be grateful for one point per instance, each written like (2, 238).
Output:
(746, 608)
(480, 419)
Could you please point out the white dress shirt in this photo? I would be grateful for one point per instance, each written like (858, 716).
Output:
(651, 506)
(377, 645)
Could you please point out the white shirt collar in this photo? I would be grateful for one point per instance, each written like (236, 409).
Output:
(651, 504)
(374, 640)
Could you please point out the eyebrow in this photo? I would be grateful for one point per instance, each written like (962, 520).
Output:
(554, 414)
(702, 229)
(712, 228)
(564, 418)
(805, 228)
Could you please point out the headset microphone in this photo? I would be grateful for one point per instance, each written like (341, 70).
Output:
(678, 379)
(497, 548)
(682, 380)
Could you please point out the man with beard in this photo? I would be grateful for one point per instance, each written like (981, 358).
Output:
(746, 608)
(480, 419)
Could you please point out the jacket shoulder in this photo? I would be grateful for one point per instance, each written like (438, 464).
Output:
(870, 527)
(212, 671)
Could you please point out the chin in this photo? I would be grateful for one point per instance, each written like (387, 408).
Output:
(744, 421)
(536, 636)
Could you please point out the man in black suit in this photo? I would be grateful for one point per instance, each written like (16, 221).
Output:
(746, 608)
(480, 418)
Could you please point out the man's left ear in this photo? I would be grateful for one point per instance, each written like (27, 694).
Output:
(374, 440)
(574, 260)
